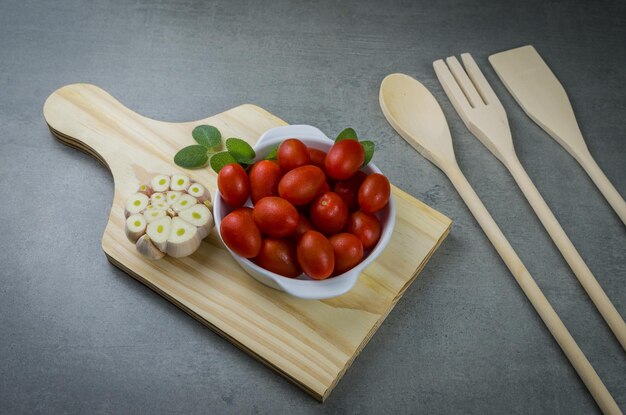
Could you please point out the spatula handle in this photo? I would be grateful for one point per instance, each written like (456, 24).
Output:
(569, 252)
(602, 182)
(535, 295)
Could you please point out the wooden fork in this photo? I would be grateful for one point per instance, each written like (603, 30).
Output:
(483, 114)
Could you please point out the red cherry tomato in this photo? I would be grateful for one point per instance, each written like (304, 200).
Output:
(344, 159)
(300, 185)
(264, 178)
(233, 184)
(329, 213)
(348, 250)
(366, 227)
(315, 255)
(325, 188)
(318, 157)
(374, 193)
(348, 189)
(275, 216)
(304, 224)
(240, 233)
(292, 153)
(279, 256)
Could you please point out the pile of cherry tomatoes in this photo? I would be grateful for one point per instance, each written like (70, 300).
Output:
(313, 211)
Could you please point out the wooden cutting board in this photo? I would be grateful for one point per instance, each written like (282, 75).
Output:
(312, 343)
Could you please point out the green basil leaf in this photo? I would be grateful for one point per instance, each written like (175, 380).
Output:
(192, 157)
(239, 149)
(273, 155)
(368, 147)
(207, 135)
(347, 134)
(221, 159)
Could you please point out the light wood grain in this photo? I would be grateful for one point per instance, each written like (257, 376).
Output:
(540, 94)
(312, 343)
(487, 120)
(415, 114)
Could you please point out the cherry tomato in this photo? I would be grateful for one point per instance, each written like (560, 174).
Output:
(264, 178)
(292, 153)
(275, 216)
(233, 184)
(300, 185)
(374, 193)
(348, 189)
(344, 159)
(366, 227)
(348, 250)
(304, 224)
(279, 256)
(315, 255)
(329, 213)
(318, 157)
(240, 233)
(325, 188)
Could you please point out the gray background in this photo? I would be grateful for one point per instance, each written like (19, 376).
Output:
(79, 336)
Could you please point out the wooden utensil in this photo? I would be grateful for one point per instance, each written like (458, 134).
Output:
(540, 94)
(483, 114)
(310, 342)
(415, 114)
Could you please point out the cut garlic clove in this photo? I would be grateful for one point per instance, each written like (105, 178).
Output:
(200, 216)
(154, 214)
(136, 203)
(184, 202)
(183, 240)
(148, 249)
(199, 192)
(172, 197)
(158, 231)
(179, 182)
(158, 198)
(160, 183)
(157, 206)
(135, 227)
(145, 189)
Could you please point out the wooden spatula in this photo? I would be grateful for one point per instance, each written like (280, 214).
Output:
(415, 114)
(537, 90)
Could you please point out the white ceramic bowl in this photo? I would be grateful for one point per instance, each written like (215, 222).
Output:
(303, 286)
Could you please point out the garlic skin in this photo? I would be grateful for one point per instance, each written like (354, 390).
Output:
(148, 249)
(135, 227)
(171, 215)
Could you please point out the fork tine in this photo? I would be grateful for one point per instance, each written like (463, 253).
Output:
(479, 80)
(464, 82)
(453, 91)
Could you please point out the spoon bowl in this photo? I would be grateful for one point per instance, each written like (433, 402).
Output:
(416, 115)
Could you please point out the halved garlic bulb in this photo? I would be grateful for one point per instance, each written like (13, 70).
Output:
(170, 216)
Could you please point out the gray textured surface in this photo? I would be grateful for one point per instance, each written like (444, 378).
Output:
(79, 336)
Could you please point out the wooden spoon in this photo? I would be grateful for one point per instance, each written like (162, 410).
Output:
(415, 114)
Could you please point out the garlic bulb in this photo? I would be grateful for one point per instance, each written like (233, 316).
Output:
(169, 216)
